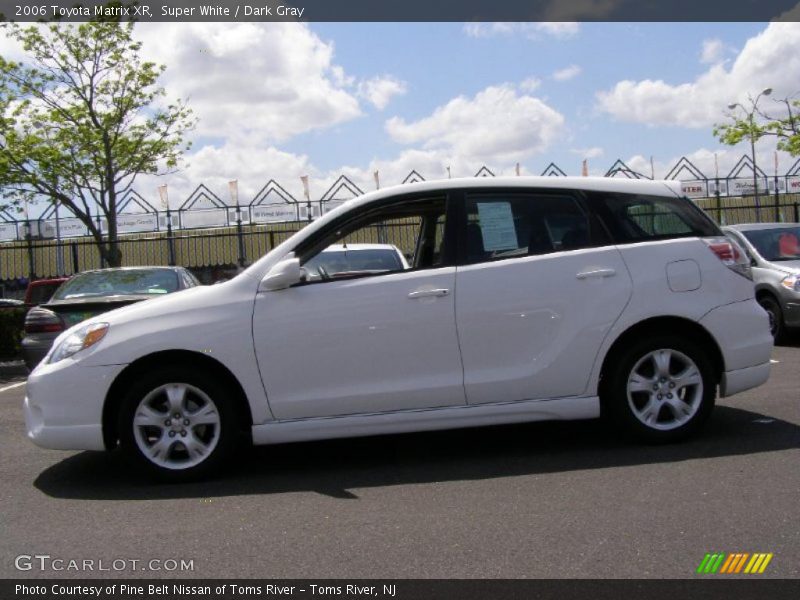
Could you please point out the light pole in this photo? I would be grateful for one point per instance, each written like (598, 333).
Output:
(752, 133)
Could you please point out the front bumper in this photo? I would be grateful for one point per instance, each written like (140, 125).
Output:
(64, 405)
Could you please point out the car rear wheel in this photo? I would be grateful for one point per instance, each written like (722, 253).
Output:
(775, 314)
(661, 389)
(177, 425)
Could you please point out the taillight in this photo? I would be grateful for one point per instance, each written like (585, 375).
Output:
(731, 255)
(42, 320)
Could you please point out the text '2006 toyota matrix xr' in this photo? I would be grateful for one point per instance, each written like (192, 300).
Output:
(522, 299)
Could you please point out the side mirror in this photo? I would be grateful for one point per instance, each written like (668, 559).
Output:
(283, 275)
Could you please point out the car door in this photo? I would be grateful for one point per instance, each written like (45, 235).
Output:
(370, 343)
(539, 288)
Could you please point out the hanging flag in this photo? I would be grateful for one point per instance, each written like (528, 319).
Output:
(304, 179)
(776, 163)
(652, 169)
(716, 166)
(517, 169)
(585, 168)
(162, 192)
(377, 179)
(233, 187)
(448, 172)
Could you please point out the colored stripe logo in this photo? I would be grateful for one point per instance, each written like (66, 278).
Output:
(734, 562)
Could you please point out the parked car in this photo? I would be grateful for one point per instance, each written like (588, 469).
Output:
(340, 261)
(92, 293)
(525, 299)
(11, 303)
(773, 250)
(41, 290)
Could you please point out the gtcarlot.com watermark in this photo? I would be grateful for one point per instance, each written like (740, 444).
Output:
(48, 563)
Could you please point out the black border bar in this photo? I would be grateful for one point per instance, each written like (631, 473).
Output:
(177, 11)
(747, 587)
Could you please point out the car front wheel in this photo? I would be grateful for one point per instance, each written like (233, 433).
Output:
(776, 327)
(177, 425)
(661, 389)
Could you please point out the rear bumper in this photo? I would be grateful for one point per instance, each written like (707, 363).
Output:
(740, 380)
(35, 348)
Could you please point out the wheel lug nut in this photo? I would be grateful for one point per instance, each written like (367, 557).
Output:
(655, 387)
(183, 433)
(659, 396)
(167, 422)
(177, 415)
(669, 396)
(186, 422)
(171, 434)
(671, 384)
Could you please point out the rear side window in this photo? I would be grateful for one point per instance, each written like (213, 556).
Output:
(634, 218)
(510, 226)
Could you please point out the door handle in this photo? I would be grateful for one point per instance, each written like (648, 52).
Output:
(429, 293)
(596, 273)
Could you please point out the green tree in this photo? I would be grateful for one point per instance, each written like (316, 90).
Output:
(787, 127)
(754, 123)
(80, 118)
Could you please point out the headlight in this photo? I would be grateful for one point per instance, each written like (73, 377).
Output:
(791, 282)
(80, 339)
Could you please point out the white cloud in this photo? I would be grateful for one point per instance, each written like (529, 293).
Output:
(567, 73)
(530, 84)
(264, 80)
(712, 52)
(496, 126)
(533, 31)
(770, 59)
(593, 152)
(379, 91)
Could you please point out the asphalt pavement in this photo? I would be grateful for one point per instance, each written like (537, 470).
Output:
(545, 500)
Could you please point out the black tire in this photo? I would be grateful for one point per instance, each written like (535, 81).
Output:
(776, 324)
(213, 443)
(628, 411)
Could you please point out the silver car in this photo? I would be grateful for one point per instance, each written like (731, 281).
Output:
(774, 253)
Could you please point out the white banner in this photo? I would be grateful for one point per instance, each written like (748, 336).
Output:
(66, 227)
(8, 231)
(273, 213)
(793, 185)
(744, 186)
(723, 187)
(215, 217)
(695, 188)
(331, 204)
(134, 223)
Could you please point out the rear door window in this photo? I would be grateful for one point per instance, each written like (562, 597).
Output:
(503, 226)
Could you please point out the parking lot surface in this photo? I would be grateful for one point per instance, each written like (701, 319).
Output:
(539, 500)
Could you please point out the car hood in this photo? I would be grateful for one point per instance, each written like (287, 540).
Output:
(789, 266)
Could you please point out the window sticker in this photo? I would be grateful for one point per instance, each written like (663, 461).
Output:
(497, 226)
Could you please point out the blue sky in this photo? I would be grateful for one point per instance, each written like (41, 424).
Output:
(440, 61)
(282, 100)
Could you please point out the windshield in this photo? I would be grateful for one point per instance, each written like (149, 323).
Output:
(774, 245)
(116, 283)
(344, 261)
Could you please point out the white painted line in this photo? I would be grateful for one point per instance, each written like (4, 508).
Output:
(11, 387)
(773, 361)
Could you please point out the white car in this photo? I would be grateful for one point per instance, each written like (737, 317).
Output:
(525, 299)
